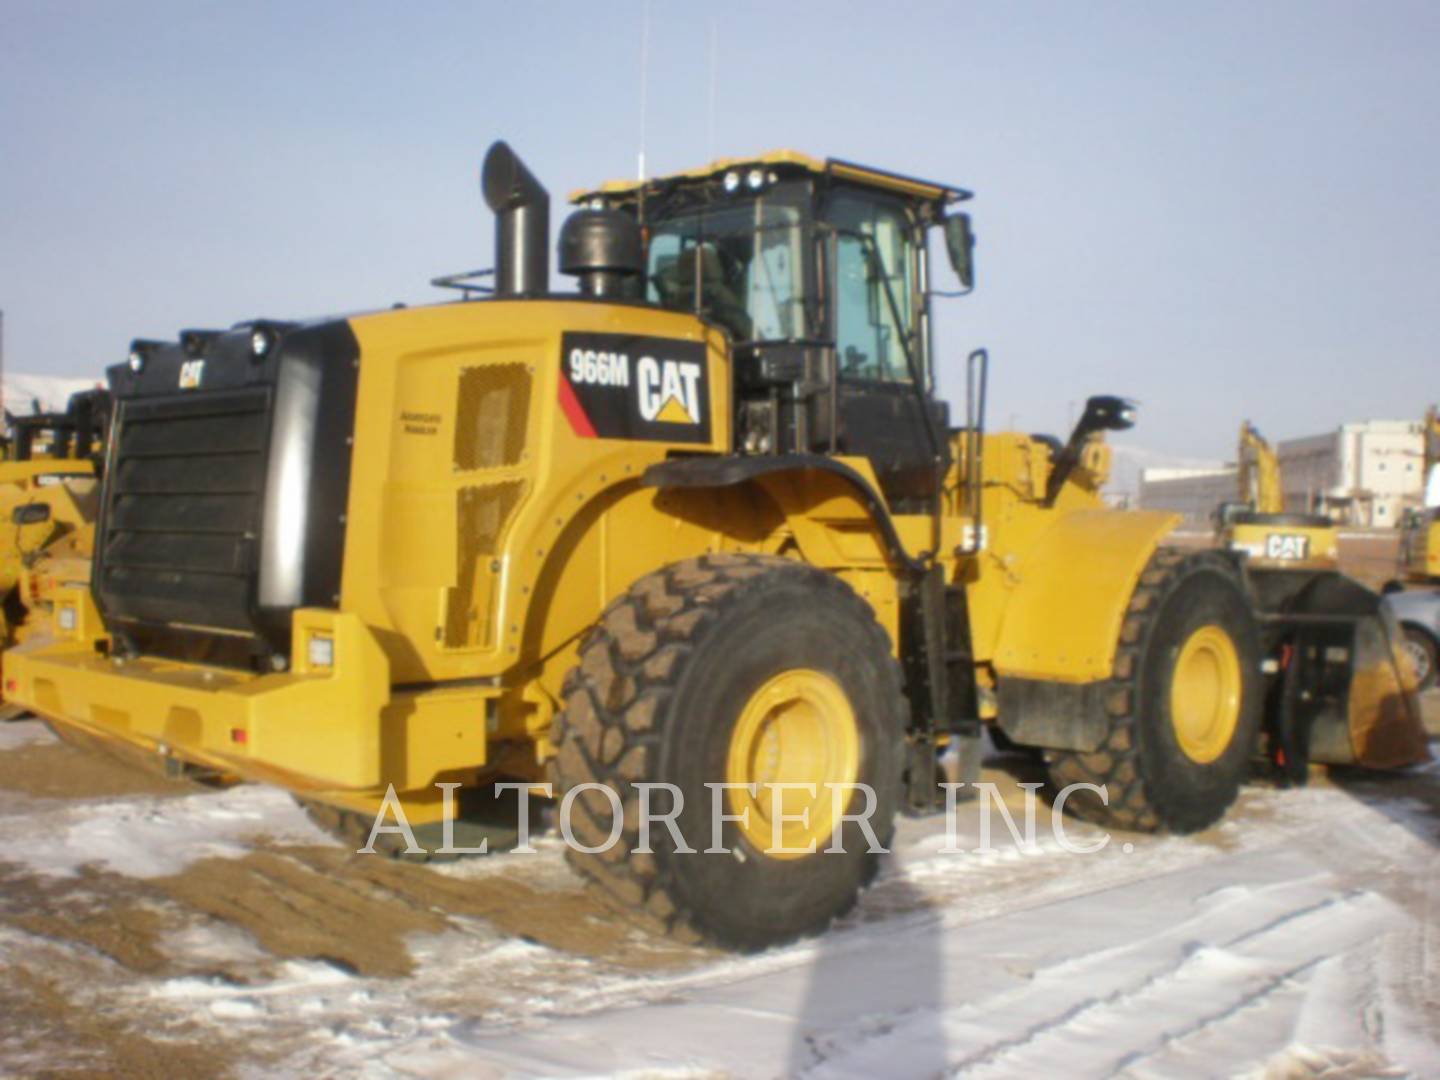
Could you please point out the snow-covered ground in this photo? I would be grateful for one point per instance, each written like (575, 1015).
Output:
(1300, 936)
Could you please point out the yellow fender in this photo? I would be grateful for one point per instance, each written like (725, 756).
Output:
(1062, 619)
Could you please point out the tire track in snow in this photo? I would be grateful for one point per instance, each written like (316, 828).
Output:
(1112, 1009)
(1208, 988)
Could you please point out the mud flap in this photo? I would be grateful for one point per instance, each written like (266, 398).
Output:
(1347, 693)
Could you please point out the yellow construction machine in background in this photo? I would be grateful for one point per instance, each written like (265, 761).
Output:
(1259, 525)
(49, 495)
(1415, 593)
(1296, 555)
(1420, 532)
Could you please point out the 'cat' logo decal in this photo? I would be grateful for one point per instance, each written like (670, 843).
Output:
(191, 373)
(669, 390)
(624, 386)
(1287, 546)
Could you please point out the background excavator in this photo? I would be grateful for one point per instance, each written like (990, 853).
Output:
(1296, 555)
(1259, 525)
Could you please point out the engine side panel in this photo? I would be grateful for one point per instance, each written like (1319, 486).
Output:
(492, 438)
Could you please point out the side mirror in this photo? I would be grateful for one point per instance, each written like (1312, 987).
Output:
(960, 243)
(31, 514)
(1105, 412)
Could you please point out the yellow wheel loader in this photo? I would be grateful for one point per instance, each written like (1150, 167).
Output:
(49, 495)
(697, 546)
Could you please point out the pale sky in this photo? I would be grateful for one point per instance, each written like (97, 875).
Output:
(1225, 210)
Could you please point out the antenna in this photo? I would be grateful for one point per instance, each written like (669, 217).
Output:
(714, 66)
(644, 81)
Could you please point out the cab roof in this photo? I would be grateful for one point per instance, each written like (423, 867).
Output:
(791, 160)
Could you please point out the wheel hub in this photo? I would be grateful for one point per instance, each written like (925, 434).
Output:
(798, 728)
(1205, 694)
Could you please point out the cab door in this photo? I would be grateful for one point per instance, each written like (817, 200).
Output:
(875, 305)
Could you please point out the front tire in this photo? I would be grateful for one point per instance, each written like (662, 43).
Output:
(1184, 706)
(733, 669)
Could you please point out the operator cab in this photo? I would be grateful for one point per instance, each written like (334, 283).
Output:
(818, 272)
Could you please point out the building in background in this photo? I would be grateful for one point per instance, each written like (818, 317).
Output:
(1364, 474)
(1195, 493)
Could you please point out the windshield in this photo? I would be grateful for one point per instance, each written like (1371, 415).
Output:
(745, 258)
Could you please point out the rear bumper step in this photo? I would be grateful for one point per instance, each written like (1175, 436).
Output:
(338, 730)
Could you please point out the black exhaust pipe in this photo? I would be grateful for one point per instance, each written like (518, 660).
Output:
(522, 223)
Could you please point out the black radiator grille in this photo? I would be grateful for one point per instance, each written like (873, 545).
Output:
(183, 506)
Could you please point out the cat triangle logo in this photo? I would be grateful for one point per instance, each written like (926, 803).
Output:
(674, 413)
(668, 391)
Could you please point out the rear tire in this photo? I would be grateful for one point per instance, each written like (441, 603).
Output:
(1184, 704)
(666, 691)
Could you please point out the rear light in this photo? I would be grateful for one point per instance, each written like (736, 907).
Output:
(261, 341)
(320, 651)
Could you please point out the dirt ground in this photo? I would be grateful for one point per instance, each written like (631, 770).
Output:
(314, 902)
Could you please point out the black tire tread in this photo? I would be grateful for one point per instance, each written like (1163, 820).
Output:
(611, 727)
(1115, 765)
(352, 828)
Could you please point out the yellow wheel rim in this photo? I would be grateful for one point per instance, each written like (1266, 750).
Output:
(1205, 694)
(798, 728)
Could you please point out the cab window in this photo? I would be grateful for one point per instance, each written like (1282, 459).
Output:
(746, 258)
(874, 273)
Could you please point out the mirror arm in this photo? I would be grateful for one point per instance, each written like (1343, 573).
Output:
(1101, 414)
(1064, 465)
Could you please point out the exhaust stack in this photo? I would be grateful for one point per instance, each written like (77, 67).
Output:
(522, 223)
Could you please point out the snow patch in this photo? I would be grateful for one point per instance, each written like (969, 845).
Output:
(156, 837)
(17, 733)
